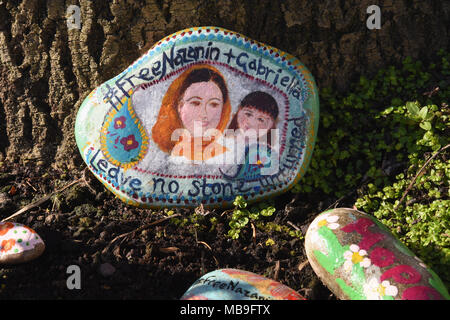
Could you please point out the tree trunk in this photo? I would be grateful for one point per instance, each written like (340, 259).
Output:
(46, 70)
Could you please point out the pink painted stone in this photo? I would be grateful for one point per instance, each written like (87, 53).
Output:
(18, 243)
(358, 258)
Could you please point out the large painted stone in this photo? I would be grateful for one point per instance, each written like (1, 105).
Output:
(205, 115)
(358, 258)
(234, 284)
(19, 243)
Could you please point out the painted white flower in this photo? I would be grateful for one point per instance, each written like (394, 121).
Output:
(371, 290)
(386, 289)
(354, 256)
(376, 290)
(329, 221)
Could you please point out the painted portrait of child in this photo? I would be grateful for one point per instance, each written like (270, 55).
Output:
(253, 129)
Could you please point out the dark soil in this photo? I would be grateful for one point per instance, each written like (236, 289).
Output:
(160, 261)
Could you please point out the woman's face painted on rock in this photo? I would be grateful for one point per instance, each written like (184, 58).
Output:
(201, 106)
(251, 118)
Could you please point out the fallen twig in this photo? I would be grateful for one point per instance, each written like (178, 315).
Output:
(253, 233)
(205, 244)
(302, 265)
(201, 210)
(169, 250)
(276, 270)
(418, 174)
(293, 226)
(42, 200)
(86, 182)
(140, 229)
(226, 211)
(209, 247)
(28, 183)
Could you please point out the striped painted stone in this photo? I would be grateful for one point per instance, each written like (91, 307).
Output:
(19, 243)
(205, 115)
(234, 284)
(358, 258)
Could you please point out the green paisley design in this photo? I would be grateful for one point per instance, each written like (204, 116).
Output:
(358, 278)
(335, 257)
(352, 293)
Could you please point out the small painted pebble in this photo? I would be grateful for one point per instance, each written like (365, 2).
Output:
(234, 284)
(205, 115)
(358, 258)
(19, 243)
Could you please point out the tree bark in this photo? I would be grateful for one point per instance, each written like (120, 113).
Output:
(47, 70)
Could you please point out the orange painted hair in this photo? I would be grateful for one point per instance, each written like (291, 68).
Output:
(168, 118)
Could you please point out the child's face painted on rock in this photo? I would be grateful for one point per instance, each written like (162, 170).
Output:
(202, 104)
(252, 118)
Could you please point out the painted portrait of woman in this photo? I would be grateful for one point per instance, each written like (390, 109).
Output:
(194, 112)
